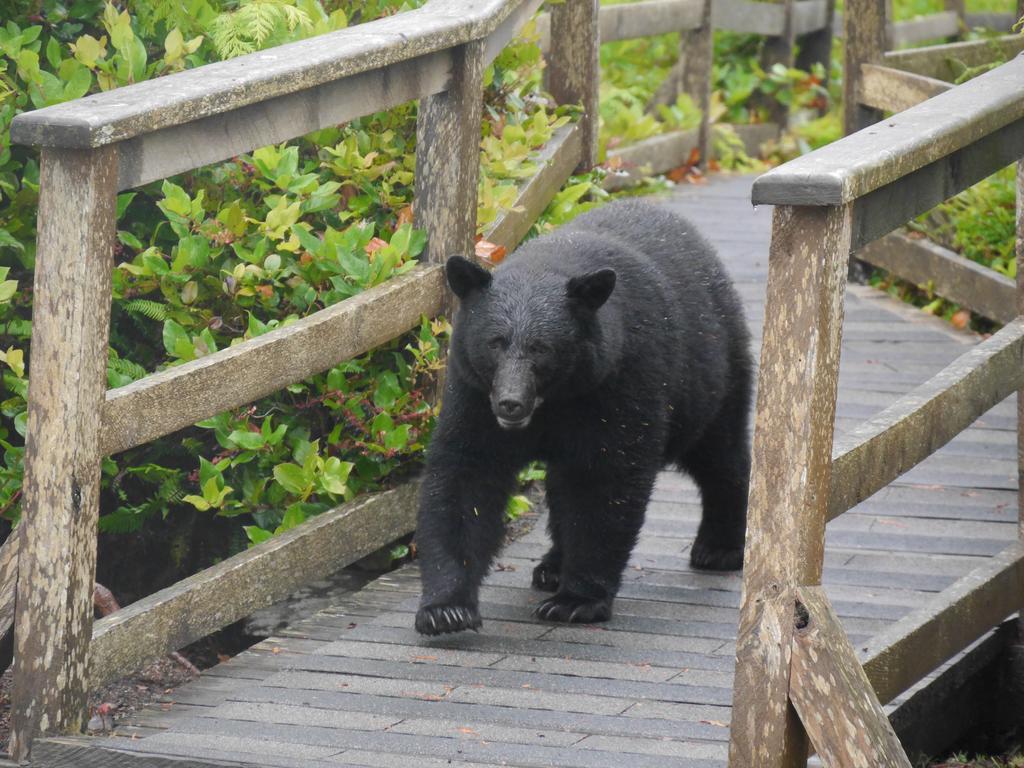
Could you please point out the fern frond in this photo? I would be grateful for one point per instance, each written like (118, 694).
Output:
(154, 310)
(128, 368)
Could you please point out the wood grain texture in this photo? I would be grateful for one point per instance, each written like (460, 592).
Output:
(906, 651)
(790, 475)
(864, 41)
(911, 429)
(573, 68)
(177, 397)
(448, 159)
(756, 18)
(922, 262)
(234, 588)
(815, 31)
(934, 60)
(68, 377)
(893, 90)
(844, 720)
(696, 51)
(649, 17)
(8, 584)
(224, 86)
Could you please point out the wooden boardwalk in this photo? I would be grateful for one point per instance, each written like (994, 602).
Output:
(355, 686)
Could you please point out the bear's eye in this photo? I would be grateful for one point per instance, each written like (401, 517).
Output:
(538, 348)
(497, 343)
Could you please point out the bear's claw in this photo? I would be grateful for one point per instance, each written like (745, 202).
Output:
(573, 610)
(707, 558)
(546, 577)
(442, 619)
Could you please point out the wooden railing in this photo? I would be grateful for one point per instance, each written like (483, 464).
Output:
(879, 82)
(93, 147)
(797, 674)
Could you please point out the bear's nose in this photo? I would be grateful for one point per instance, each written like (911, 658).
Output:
(512, 410)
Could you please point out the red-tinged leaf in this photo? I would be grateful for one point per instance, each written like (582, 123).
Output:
(404, 216)
(961, 319)
(490, 252)
(424, 658)
(468, 731)
(374, 245)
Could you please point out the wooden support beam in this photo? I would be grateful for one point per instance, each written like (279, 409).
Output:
(864, 36)
(922, 262)
(813, 26)
(57, 558)
(922, 421)
(557, 160)
(835, 701)
(931, 27)
(177, 397)
(232, 589)
(893, 90)
(448, 158)
(573, 68)
(780, 49)
(934, 61)
(903, 653)
(649, 17)
(747, 16)
(791, 470)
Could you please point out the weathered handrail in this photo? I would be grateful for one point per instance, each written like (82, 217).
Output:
(793, 658)
(875, 157)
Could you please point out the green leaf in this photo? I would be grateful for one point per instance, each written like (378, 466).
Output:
(292, 478)
(78, 85)
(293, 516)
(256, 534)
(250, 441)
(176, 339)
(335, 476)
(197, 501)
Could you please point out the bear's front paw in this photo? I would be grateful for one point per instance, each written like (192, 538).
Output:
(547, 577)
(442, 619)
(573, 609)
(709, 558)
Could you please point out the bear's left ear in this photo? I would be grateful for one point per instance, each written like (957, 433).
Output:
(465, 276)
(592, 289)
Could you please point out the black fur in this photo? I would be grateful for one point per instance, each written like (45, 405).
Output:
(607, 349)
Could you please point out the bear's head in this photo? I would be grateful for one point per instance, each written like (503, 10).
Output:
(524, 335)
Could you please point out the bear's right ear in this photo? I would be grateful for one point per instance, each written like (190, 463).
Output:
(465, 276)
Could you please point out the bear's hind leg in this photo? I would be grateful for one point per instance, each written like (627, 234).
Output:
(598, 524)
(720, 465)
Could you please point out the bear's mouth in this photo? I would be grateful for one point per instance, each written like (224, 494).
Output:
(514, 425)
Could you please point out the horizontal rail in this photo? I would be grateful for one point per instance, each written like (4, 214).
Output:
(179, 148)
(224, 86)
(177, 397)
(881, 449)
(931, 27)
(903, 653)
(989, 20)
(958, 121)
(558, 159)
(809, 16)
(749, 17)
(232, 589)
(666, 151)
(922, 262)
(650, 17)
(934, 61)
(894, 90)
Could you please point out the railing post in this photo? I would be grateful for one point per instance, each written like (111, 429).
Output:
(816, 47)
(696, 49)
(692, 75)
(574, 70)
(448, 158)
(68, 380)
(959, 7)
(1020, 394)
(864, 24)
(791, 474)
(778, 50)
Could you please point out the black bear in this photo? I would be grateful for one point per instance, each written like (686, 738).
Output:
(607, 349)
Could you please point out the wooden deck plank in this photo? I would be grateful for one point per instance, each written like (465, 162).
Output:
(354, 685)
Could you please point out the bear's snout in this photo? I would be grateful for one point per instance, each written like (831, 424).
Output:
(514, 394)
